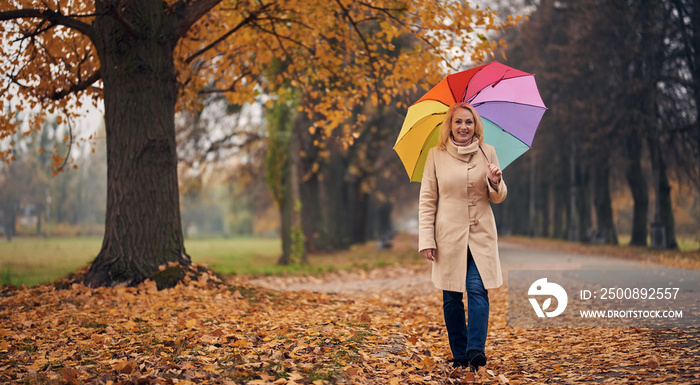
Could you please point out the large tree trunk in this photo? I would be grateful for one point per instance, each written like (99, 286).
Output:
(293, 242)
(142, 227)
(282, 177)
(277, 168)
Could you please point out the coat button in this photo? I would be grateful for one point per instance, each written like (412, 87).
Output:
(471, 184)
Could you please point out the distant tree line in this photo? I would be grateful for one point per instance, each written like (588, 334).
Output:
(622, 84)
(73, 201)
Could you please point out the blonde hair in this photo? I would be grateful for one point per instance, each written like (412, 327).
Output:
(446, 128)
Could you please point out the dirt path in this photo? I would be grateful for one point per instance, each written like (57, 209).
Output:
(415, 280)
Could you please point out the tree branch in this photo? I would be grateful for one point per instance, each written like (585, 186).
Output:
(372, 62)
(389, 12)
(223, 37)
(279, 37)
(223, 143)
(51, 16)
(188, 12)
(59, 169)
(78, 87)
(231, 88)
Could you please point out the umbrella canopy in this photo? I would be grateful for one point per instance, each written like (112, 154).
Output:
(507, 100)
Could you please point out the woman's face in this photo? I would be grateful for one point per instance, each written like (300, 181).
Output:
(462, 125)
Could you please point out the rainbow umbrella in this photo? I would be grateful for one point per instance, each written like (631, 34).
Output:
(507, 100)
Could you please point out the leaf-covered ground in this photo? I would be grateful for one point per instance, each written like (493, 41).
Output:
(242, 332)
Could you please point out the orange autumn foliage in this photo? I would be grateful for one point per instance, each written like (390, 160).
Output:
(344, 52)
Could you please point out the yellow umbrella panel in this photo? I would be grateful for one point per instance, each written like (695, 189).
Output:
(418, 134)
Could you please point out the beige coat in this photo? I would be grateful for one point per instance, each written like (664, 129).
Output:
(455, 214)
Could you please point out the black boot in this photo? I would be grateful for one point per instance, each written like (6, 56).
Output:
(460, 363)
(476, 359)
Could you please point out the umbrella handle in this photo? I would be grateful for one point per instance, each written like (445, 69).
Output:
(482, 151)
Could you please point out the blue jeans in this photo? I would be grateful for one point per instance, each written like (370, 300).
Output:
(467, 337)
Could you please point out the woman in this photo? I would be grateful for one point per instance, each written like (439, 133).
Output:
(458, 230)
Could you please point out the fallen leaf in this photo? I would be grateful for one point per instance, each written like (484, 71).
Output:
(70, 375)
(364, 317)
(352, 371)
(125, 367)
(653, 362)
(277, 355)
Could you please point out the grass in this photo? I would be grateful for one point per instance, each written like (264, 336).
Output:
(254, 258)
(33, 261)
(685, 243)
(244, 255)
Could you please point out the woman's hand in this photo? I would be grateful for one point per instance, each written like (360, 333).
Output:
(428, 254)
(494, 174)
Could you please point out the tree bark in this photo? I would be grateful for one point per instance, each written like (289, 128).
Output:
(574, 226)
(603, 206)
(286, 223)
(584, 205)
(143, 225)
(278, 167)
(359, 208)
(293, 248)
(664, 211)
(298, 235)
(313, 221)
(640, 191)
(10, 215)
(337, 199)
(39, 214)
(560, 208)
(282, 169)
